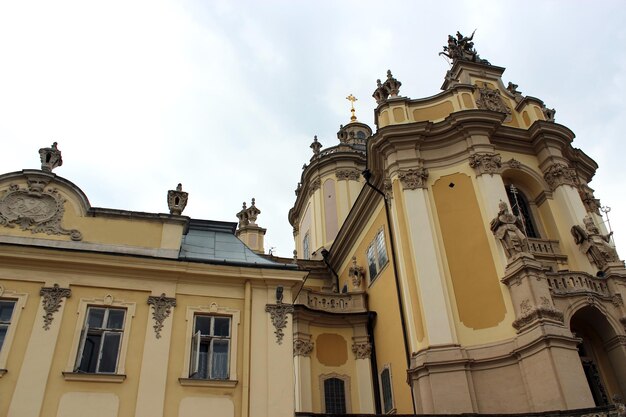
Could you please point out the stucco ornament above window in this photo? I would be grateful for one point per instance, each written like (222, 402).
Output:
(35, 209)
(278, 315)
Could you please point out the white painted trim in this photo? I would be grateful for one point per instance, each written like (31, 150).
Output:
(106, 301)
(216, 310)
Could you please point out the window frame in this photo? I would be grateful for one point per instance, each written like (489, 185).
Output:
(212, 310)
(107, 301)
(392, 409)
(378, 242)
(198, 338)
(104, 332)
(20, 302)
(346, 387)
(306, 246)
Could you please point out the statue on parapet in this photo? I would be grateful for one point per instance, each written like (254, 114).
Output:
(461, 48)
(507, 227)
(594, 244)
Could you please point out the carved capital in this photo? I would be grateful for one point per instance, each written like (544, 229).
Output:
(161, 309)
(514, 163)
(302, 347)
(486, 163)
(388, 189)
(51, 300)
(35, 209)
(278, 315)
(591, 203)
(362, 350)
(314, 185)
(413, 178)
(559, 174)
(348, 174)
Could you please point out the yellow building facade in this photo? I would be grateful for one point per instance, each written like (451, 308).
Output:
(454, 260)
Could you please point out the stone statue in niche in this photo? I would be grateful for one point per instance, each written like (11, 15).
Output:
(595, 245)
(507, 227)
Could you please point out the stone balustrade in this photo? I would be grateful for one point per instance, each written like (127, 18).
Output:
(333, 302)
(568, 283)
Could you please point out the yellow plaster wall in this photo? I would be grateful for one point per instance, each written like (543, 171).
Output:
(435, 112)
(476, 285)
(22, 333)
(347, 368)
(175, 393)
(113, 230)
(382, 299)
(127, 391)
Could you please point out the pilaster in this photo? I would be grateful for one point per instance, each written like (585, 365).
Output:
(31, 384)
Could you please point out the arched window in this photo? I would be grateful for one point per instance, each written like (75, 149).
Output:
(520, 207)
(335, 396)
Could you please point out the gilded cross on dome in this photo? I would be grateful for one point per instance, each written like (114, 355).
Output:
(352, 99)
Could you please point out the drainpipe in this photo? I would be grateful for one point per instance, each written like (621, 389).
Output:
(373, 364)
(367, 174)
(325, 254)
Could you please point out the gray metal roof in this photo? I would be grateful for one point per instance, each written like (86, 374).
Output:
(214, 242)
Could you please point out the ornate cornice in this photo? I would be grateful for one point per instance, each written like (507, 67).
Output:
(35, 209)
(362, 350)
(558, 174)
(302, 347)
(278, 315)
(486, 163)
(348, 174)
(161, 309)
(51, 300)
(413, 178)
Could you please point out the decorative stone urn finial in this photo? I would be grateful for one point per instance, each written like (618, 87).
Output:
(316, 146)
(177, 200)
(392, 85)
(50, 158)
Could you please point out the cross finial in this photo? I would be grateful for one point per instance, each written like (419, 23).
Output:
(352, 99)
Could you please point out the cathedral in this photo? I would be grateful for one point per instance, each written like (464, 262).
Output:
(451, 259)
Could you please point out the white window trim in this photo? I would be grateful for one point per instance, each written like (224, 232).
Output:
(212, 309)
(379, 268)
(393, 409)
(106, 301)
(346, 387)
(20, 303)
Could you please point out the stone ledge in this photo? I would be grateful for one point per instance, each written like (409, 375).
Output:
(78, 376)
(214, 383)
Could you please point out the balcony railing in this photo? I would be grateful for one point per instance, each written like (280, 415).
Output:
(333, 302)
(570, 283)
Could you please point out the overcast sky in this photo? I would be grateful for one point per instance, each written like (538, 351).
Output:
(225, 97)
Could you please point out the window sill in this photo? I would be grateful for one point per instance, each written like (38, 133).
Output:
(2, 372)
(215, 383)
(79, 376)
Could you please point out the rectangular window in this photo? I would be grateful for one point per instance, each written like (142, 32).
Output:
(387, 392)
(100, 340)
(210, 347)
(334, 396)
(377, 255)
(6, 313)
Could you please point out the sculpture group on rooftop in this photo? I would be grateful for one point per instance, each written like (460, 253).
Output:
(461, 48)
